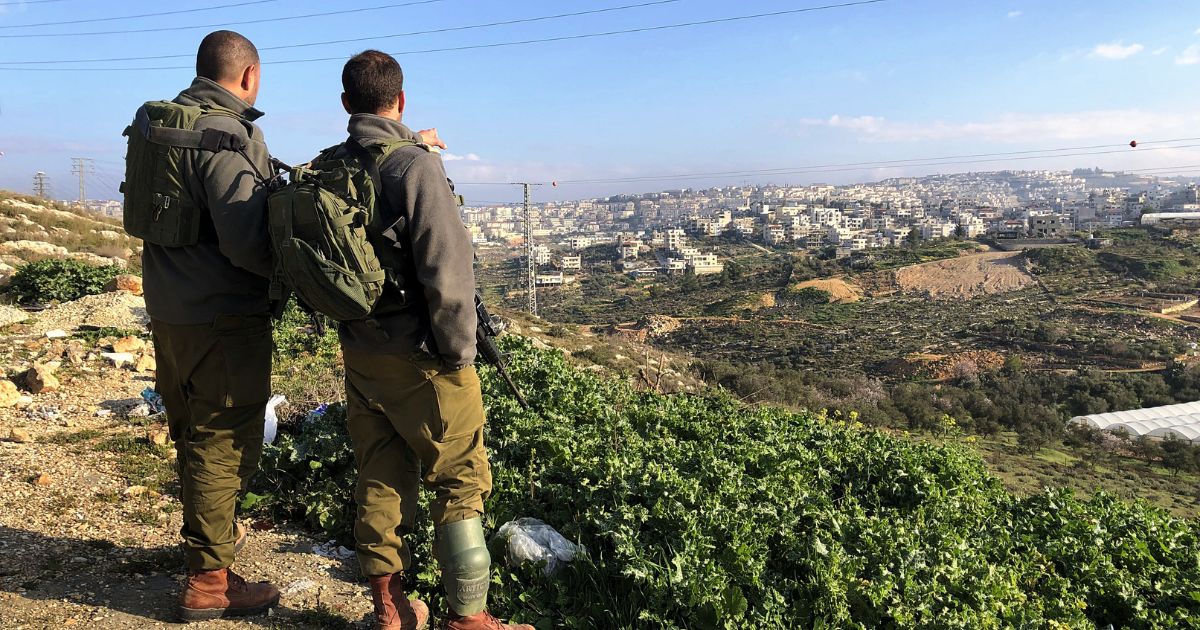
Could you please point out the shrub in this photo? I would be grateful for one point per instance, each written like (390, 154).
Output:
(700, 512)
(59, 280)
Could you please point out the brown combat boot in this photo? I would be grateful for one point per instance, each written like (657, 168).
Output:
(223, 593)
(481, 621)
(393, 609)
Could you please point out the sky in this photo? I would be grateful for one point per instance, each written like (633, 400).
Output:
(890, 80)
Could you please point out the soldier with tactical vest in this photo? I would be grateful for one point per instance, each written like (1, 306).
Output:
(195, 192)
(196, 187)
(414, 403)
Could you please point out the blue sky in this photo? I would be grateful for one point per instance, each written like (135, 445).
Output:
(894, 80)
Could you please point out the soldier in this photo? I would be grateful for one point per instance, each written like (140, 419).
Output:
(415, 407)
(206, 262)
(196, 192)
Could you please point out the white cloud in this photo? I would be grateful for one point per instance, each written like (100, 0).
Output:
(1159, 51)
(1022, 128)
(1014, 14)
(454, 157)
(1190, 56)
(1116, 50)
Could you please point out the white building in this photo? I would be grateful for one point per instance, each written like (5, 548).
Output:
(705, 264)
(572, 262)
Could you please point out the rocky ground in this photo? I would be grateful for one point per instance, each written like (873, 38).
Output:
(89, 508)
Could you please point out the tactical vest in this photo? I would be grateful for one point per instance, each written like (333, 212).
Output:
(158, 208)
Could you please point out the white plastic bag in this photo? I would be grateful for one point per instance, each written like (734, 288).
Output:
(531, 540)
(271, 421)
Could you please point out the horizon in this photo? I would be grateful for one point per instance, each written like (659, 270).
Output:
(869, 85)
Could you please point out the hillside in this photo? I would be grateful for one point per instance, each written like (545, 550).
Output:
(1015, 344)
(695, 511)
(33, 229)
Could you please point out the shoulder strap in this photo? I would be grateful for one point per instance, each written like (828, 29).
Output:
(207, 140)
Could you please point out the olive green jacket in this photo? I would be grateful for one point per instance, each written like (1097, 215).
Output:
(227, 272)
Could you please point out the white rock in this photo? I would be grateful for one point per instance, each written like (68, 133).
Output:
(56, 334)
(119, 359)
(10, 315)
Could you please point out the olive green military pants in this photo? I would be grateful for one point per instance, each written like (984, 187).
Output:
(215, 380)
(412, 421)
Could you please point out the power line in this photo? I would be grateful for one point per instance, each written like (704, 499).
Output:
(645, 29)
(278, 18)
(244, 3)
(855, 166)
(450, 29)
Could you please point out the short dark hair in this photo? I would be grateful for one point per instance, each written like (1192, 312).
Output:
(372, 81)
(223, 55)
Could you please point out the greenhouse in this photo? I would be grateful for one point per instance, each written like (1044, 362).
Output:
(1181, 421)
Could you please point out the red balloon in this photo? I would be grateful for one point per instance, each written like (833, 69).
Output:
(1133, 143)
(554, 184)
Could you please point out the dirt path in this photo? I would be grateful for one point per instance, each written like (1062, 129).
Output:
(89, 516)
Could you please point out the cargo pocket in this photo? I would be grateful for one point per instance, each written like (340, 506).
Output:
(459, 399)
(245, 344)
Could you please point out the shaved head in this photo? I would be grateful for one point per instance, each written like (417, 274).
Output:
(224, 55)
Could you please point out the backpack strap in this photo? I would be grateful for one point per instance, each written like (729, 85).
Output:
(212, 140)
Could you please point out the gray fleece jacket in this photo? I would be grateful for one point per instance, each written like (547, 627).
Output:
(227, 273)
(442, 319)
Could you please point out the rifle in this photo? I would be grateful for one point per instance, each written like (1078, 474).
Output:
(490, 327)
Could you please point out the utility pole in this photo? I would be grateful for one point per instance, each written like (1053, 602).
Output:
(81, 167)
(530, 259)
(41, 184)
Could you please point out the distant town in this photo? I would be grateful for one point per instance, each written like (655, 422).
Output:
(676, 231)
(673, 232)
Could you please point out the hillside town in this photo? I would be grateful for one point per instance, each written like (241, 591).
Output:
(671, 232)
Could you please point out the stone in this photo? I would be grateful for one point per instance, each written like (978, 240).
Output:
(75, 352)
(125, 282)
(37, 249)
(9, 394)
(54, 350)
(10, 315)
(146, 363)
(118, 359)
(128, 345)
(42, 479)
(19, 435)
(160, 437)
(40, 379)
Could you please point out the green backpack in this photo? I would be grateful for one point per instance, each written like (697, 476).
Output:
(319, 226)
(158, 208)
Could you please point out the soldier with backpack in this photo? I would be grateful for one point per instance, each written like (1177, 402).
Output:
(371, 235)
(196, 186)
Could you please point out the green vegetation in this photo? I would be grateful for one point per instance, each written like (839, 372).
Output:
(307, 359)
(72, 437)
(59, 281)
(700, 512)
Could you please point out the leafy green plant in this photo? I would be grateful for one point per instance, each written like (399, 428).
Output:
(58, 280)
(701, 512)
